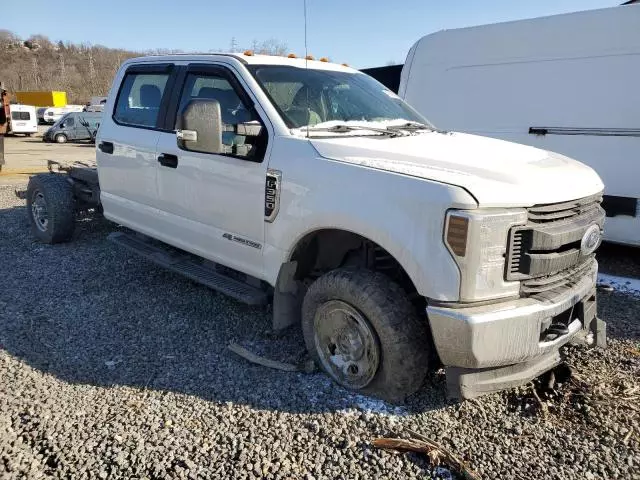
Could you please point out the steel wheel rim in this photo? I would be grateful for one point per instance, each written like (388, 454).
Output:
(39, 211)
(346, 344)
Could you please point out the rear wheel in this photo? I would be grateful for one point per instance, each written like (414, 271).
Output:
(51, 207)
(61, 138)
(362, 330)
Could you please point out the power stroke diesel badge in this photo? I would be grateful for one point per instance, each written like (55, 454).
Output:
(590, 240)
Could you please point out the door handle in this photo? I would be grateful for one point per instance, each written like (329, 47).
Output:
(168, 160)
(106, 147)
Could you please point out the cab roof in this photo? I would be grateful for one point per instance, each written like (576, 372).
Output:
(247, 60)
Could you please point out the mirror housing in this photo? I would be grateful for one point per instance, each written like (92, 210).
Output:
(200, 126)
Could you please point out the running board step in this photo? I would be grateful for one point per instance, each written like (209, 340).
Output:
(184, 264)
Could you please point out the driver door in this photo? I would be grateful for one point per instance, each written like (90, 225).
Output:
(215, 202)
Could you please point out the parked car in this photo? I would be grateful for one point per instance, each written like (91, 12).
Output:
(73, 126)
(563, 83)
(395, 246)
(23, 120)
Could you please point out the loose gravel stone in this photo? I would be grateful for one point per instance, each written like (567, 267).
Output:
(111, 367)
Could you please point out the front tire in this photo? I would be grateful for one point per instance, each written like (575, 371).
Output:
(61, 138)
(51, 207)
(362, 330)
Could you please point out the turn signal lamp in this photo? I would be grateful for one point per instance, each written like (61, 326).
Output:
(457, 230)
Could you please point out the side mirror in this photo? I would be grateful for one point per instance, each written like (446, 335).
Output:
(200, 126)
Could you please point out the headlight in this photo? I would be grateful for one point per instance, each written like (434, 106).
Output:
(477, 240)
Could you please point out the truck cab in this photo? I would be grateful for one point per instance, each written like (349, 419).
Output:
(394, 245)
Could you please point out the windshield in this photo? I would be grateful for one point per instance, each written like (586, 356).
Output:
(307, 97)
(60, 120)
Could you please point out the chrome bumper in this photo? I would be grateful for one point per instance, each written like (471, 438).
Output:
(500, 345)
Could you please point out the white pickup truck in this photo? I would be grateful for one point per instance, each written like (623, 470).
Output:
(396, 246)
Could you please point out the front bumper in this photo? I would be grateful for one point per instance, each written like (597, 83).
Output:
(491, 347)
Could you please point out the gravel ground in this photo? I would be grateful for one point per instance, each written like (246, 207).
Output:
(113, 368)
(619, 260)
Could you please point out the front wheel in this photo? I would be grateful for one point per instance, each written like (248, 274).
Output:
(61, 138)
(51, 207)
(362, 330)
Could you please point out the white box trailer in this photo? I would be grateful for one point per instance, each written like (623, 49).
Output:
(566, 83)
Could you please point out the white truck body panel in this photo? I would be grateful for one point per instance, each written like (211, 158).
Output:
(572, 71)
(19, 121)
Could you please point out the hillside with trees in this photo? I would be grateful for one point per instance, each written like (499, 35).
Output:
(81, 70)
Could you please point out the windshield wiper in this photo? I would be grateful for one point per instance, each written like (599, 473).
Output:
(351, 128)
(412, 126)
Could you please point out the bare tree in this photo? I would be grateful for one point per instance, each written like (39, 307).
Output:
(81, 70)
(271, 46)
(35, 72)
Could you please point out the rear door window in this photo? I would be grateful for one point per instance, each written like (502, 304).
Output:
(20, 116)
(139, 99)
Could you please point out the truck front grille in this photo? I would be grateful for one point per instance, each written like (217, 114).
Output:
(545, 253)
(564, 212)
(546, 287)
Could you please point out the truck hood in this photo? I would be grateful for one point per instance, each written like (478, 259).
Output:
(495, 172)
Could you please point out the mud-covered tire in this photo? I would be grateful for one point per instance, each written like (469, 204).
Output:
(60, 138)
(403, 342)
(53, 192)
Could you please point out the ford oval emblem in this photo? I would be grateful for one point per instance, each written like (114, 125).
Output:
(590, 240)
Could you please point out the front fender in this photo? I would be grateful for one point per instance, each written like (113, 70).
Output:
(402, 214)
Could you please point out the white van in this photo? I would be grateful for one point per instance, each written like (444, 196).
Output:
(565, 83)
(23, 120)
